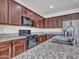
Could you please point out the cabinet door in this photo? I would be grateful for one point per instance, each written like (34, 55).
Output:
(3, 11)
(59, 22)
(41, 38)
(50, 23)
(35, 23)
(46, 23)
(53, 24)
(74, 16)
(14, 13)
(19, 46)
(41, 23)
(24, 11)
(5, 50)
(38, 23)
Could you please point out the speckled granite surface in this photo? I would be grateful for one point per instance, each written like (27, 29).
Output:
(7, 37)
(49, 50)
(42, 33)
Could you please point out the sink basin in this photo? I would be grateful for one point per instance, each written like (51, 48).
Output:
(62, 40)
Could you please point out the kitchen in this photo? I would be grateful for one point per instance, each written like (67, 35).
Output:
(28, 30)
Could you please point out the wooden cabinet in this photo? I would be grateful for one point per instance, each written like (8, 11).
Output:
(5, 50)
(59, 22)
(36, 23)
(3, 11)
(37, 20)
(46, 23)
(74, 16)
(53, 23)
(56, 22)
(14, 13)
(10, 12)
(19, 46)
(41, 23)
(50, 36)
(50, 23)
(26, 12)
(41, 38)
(12, 48)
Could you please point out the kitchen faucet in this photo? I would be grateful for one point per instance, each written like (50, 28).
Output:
(69, 32)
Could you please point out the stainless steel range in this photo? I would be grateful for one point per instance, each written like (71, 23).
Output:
(31, 38)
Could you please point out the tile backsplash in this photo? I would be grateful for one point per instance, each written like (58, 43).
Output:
(7, 29)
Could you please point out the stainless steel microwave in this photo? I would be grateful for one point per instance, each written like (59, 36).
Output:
(25, 21)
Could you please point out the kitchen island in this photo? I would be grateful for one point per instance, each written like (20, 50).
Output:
(50, 50)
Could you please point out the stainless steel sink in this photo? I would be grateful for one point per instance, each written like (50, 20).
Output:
(63, 40)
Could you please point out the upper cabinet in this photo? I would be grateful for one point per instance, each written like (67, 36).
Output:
(36, 19)
(74, 16)
(24, 12)
(50, 23)
(14, 13)
(4, 11)
(46, 23)
(10, 12)
(53, 23)
(56, 22)
(38, 23)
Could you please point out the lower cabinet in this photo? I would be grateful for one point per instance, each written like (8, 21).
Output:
(50, 36)
(5, 50)
(12, 48)
(19, 46)
(41, 38)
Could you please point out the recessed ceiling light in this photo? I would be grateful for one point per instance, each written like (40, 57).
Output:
(51, 6)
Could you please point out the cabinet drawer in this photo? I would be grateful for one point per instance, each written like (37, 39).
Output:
(5, 51)
(18, 41)
(5, 44)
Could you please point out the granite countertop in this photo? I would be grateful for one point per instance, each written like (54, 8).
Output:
(43, 33)
(13, 36)
(49, 50)
(7, 37)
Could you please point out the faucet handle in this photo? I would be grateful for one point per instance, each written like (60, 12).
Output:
(74, 41)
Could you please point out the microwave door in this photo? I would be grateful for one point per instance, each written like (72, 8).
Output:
(24, 21)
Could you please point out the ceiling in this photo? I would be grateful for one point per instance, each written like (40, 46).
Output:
(58, 7)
